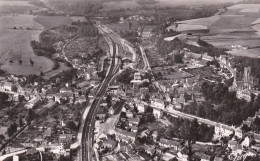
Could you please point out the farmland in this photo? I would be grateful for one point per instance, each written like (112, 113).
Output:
(236, 30)
(53, 21)
(120, 5)
(124, 27)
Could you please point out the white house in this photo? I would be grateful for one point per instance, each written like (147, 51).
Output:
(113, 90)
(169, 144)
(251, 152)
(238, 133)
(221, 131)
(246, 142)
(232, 144)
(244, 94)
(123, 135)
(157, 113)
(8, 87)
(58, 149)
(32, 103)
(157, 103)
(141, 107)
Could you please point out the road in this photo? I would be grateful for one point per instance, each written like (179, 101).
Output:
(146, 62)
(88, 130)
(64, 54)
(191, 117)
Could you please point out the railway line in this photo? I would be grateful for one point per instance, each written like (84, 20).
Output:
(88, 130)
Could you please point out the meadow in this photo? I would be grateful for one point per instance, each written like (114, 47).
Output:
(118, 27)
(253, 53)
(53, 21)
(120, 5)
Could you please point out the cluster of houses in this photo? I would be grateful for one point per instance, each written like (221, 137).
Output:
(58, 146)
(34, 94)
(137, 18)
(41, 98)
(197, 60)
(121, 143)
(166, 97)
(240, 145)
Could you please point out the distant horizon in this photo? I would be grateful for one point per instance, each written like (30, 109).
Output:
(198, 2)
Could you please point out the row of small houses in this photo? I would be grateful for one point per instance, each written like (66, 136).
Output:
(34, 97)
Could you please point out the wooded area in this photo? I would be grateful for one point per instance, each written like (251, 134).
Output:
(222, 105)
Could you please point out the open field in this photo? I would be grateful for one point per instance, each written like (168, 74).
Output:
(253, 53)
(53, 21)
(119, 5)
(231, 23)
(15, 7)
(10, 21)
(117, 27)
(236, 30)
(201, 21)
(247, 39)
(192, 2)
(244, 6)
(253, 10)
(15, 46)
(14, 3)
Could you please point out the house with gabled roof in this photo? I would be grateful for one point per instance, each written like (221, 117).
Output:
(205, 157)
(123, 135)
(221, 130)
(232, 144)
(251, 152)
(169, 144)
(238, 133)
(157, 103)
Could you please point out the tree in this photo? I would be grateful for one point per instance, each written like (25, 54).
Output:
(14, 128)
(245, 128)
(30, 116)
(2, 137)
(130, 25)
(71, 125)
(135, 108)
(31, 62)
(178, 58)
(108, 100)
(20, 122)
(64, 158)
(3, 99)
(9, 132)
(194, 127)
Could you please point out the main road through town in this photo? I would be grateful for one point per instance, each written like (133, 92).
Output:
(88, 130)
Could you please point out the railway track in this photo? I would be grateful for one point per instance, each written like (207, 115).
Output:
(88, 130)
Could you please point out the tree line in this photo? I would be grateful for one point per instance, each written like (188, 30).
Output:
(165, 47)
(190, 130)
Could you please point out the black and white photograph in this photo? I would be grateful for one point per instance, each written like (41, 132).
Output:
(129, 80)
